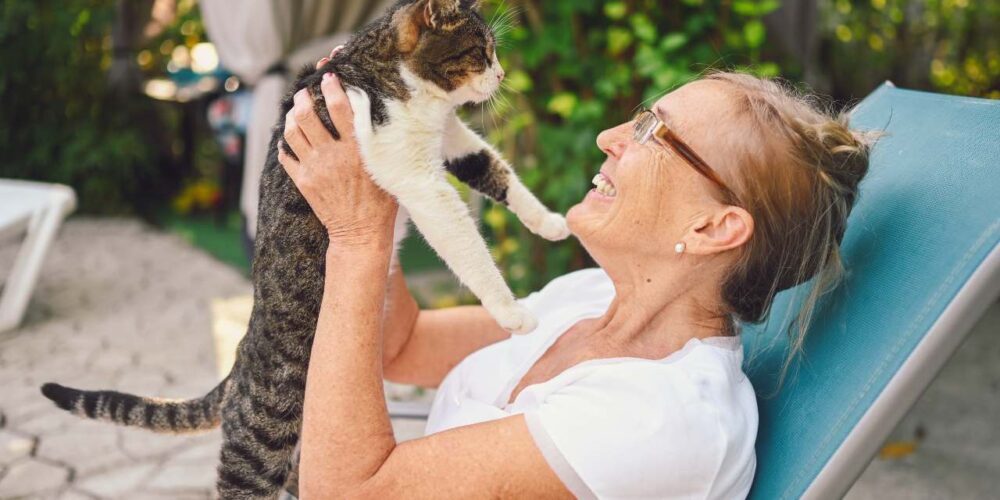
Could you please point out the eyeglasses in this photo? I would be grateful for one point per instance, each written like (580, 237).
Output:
(648, 125)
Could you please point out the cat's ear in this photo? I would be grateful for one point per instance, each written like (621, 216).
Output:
(435, 10)
(415, 18)
(409, 23)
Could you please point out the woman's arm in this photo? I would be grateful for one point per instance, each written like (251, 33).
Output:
(439, 340)
(348, 448)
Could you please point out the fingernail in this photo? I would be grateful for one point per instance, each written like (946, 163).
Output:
(326, 76)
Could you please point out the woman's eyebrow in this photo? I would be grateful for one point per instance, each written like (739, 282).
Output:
(664, 117)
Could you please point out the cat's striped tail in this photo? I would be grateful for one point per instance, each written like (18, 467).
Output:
(158, 415)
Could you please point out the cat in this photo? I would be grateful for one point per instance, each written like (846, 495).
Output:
(405, 75)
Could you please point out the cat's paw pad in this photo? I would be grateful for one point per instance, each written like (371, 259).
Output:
(553, 227)
(514, 318)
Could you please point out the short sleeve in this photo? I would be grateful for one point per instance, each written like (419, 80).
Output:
(636, 431)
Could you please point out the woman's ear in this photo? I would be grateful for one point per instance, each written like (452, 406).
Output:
(724, 230)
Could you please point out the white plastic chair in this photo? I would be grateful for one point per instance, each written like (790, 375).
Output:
(35, 210)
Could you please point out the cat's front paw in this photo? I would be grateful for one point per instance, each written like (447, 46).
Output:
(553, 227)
(514, 318)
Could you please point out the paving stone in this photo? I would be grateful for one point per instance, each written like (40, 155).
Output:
(47, 422)
(32, 478)
(171, 495)
(206, 453)
(14, 446)
(86, 446)
(141, 380)
(181, 477)
(140, 443)
(75, 495)
(117, 482)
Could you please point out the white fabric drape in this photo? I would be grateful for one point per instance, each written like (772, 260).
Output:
(253, 36)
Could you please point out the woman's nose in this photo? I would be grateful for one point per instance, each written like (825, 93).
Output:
(613, 141)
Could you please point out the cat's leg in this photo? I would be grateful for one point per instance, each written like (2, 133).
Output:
(443, 219)
(474, 161)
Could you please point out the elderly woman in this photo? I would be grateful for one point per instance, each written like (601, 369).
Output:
(727, 190)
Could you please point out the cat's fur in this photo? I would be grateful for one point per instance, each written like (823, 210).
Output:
(404, 74)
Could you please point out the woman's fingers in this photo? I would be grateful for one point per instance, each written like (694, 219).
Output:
(322, 62)
(307, 120)
(337, 104)
(290, 164)
(335, 50)
(294, 137)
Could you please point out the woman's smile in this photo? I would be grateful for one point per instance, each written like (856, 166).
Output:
(604, 189)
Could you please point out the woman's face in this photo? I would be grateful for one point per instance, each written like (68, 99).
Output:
(656, 197)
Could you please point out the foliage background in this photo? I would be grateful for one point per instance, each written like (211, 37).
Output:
(60, 121)
(575, 67)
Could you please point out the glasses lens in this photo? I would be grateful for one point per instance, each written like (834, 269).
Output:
(644, 124)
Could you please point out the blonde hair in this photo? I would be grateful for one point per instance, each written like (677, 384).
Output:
(799, 180)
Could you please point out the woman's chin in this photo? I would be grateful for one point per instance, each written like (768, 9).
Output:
(590, 214)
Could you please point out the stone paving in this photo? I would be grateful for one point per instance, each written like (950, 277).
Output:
(123, 306)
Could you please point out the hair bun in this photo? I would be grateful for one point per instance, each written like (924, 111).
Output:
(842, 159)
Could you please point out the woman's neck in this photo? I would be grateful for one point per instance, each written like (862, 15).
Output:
(653, 318)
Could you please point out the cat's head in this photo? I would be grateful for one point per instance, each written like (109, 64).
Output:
(446, 43)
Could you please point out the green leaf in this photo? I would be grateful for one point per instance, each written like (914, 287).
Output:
(619, 39)
(615, 10)
(519, 81)
(642, 27)
(647, 61)
(767, 6)
(673, 42)
(745, 7)
(563, 104)
(755, 8)
(754, 33)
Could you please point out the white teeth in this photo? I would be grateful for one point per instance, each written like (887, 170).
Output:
(603, 186)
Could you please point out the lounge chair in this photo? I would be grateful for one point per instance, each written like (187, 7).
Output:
(35, 210)
(923, 254)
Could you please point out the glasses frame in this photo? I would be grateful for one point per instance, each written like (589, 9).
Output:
(648, 125)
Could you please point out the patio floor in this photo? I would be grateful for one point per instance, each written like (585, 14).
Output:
(121, 305)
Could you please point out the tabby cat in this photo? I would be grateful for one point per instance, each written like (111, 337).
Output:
(405, 75)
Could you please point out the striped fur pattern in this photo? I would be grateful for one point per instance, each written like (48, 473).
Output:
(405, 75)
(161, 415)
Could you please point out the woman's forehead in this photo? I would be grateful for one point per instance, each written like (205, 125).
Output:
(696, 104)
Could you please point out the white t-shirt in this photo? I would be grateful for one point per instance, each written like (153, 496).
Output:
(679, 427)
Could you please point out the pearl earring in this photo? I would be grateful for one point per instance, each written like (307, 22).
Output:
(680, 247)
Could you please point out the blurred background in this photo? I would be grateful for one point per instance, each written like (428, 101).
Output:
(157, 112)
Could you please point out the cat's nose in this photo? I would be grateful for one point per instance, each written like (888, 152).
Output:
(500, 73)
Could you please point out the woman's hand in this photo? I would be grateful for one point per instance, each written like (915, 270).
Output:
(329, 172)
